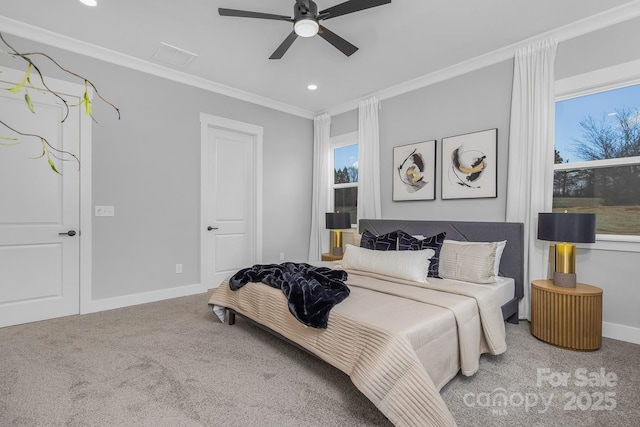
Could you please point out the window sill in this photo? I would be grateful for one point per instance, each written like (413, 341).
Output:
(609, 242)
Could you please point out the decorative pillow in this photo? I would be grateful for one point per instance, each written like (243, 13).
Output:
(384, 242)
(407, 265)
(477, 262)
(407, 242)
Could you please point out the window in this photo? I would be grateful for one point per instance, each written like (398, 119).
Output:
(597, 158)
(344, 165)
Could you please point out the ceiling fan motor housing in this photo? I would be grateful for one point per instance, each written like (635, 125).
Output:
(305, 9)
(305, 21)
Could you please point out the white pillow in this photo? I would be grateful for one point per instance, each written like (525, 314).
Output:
(407, 265)
(499, 251)
(477, 262)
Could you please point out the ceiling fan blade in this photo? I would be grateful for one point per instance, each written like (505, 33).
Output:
(350, 7)
(341, 44)
(247, 14)
(284, 46)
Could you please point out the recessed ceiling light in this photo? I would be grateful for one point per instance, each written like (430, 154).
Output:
(312, 87)
(89, 2)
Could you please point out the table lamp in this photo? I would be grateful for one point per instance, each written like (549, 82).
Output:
(566, 229)
(336, 222)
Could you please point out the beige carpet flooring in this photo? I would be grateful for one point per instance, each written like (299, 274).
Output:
(171, 363)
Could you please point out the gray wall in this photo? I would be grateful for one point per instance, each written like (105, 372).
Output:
(468, 103)
(454, 107)
(480, 100)
(147, 165)
(600, 49)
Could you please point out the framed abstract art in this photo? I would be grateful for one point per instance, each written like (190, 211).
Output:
(469, 165)
(414, 171)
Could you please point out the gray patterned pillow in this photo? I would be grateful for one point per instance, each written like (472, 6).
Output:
(407, 242)
(384, 242)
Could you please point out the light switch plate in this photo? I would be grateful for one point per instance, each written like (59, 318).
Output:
(104, 211)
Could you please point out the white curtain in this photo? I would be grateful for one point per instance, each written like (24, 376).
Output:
(321, 184)
(531, 154)
(368, 160)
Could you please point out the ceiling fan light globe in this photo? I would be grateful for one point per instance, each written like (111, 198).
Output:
(306, 27)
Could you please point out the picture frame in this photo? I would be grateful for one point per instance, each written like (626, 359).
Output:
(414, 171)
(469, 165)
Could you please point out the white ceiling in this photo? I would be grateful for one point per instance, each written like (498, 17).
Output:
(399, 42)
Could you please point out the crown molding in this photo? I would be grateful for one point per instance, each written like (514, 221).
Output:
(40, 35)
(587, 25)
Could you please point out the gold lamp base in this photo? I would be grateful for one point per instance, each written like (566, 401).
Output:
(565, 274)
(336, 242)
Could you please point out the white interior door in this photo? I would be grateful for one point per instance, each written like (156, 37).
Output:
(231, 177)
(39, 209)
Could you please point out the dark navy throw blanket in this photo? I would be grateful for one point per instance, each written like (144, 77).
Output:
(311, 291)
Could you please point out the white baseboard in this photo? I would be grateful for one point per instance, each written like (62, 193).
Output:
(141, 298)
(621, 332)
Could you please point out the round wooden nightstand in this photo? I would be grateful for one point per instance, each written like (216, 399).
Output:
(567, 317)
(327, 256)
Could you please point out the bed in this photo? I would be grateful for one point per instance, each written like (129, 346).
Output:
(401, 341)
(512, 261)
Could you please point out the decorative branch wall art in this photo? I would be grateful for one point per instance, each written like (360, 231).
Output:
(469, 165)
(414, 171)
(26, 84)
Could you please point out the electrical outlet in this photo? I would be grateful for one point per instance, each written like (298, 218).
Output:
(281, 256)
(178, 268)
(105, 211)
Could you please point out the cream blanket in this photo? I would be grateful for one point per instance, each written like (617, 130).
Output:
(384, 337)
(479, 320)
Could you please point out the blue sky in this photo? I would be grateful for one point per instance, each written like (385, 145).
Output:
(346, 156)
(570, 112)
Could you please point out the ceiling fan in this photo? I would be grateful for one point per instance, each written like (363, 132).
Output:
(306, 22)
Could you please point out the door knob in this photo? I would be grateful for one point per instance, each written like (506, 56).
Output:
(211, 228)
(69, 233)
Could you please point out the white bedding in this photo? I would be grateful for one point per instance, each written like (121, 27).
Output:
(503, 289)
(399, 341)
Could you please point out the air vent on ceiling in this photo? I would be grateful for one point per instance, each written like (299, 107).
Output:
(173, 55)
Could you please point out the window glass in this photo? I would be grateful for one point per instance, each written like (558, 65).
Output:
(597, 156)
(598, 126)
(345, 180)
(345, 164)
(346, 200)
(612, 193)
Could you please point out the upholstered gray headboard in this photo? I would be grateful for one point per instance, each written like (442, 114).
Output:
(511, 264)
